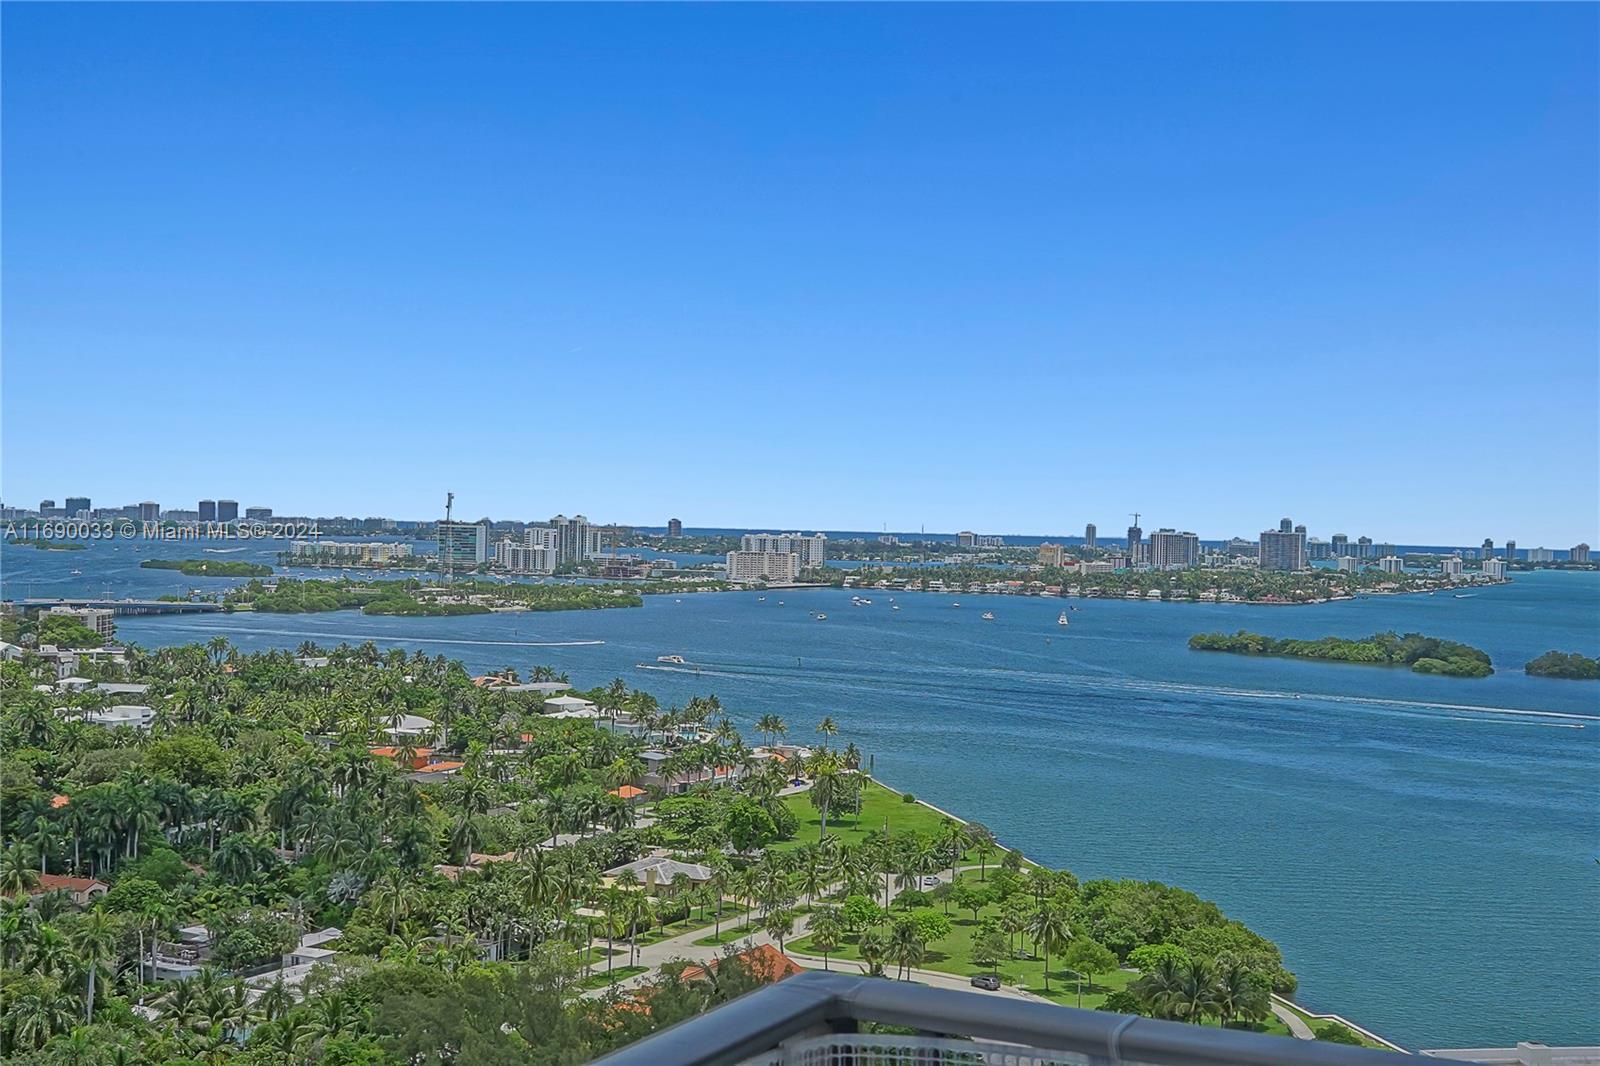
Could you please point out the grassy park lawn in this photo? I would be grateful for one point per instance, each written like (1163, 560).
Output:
(880, 808)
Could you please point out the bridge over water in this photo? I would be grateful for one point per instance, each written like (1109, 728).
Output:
(119, 606)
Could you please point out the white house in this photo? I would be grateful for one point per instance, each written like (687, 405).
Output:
(557, 704)
(134, 716)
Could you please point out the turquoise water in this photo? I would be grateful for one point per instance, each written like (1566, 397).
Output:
(1425, 858)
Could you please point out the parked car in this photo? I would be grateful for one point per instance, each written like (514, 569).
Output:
(930, 883)
(986, 981)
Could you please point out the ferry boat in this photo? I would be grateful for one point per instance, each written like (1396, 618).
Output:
(987, 616)
(675, 660)
(1061, 619)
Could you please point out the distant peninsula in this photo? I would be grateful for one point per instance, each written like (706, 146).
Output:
(1567, 664)
(46, 545)
(1424, 654)
(208, 567)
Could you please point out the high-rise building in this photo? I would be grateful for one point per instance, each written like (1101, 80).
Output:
(77, 505)
(1495, 568)
(674, 527)
(1135, 545)
(463, 546)
(1511, 551)
(149, 511)
(227, 510)
(1391, 564)
(1363, 547)
(208, 510)
(1318, 549)
(1450, 566)
(1051, 554)
(1579, 553)
(966, 539)
(1281, 548)
(1171, 550)
(258, 514)
(1488, 547)
(1300, 530)
(1089, 535)
(1341, 545)
(745, 567)
(1541, 555)
(812, 550)
(46, 505)
(576, 542)
(525, 559)
(1349, 563)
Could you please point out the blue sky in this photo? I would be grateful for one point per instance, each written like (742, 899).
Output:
(1011, 268)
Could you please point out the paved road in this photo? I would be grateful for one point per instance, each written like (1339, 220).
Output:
(1297, 1025)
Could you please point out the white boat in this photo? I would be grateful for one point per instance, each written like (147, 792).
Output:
(956, 604)
(77, 573)
(675, 660)
(987, 616)
(780, 603)
(896, 607)
(761, 599)
(821, 617)
(1061, 619)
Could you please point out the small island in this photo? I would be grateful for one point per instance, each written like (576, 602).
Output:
(46, 545)
(1565, 664)
(1424, 654)
(415, 599)
(208, 567)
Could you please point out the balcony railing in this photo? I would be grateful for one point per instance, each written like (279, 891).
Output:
(815, 1019)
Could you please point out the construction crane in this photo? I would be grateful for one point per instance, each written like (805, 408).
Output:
(444, 541)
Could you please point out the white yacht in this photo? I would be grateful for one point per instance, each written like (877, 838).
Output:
(675, 660)
(1061, 619)
(987, 616)
(821, 617)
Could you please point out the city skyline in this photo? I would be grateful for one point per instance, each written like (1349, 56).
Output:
(1131, 255)
(1330, 534)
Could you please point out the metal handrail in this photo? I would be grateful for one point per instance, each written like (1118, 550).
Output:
(823, 1002)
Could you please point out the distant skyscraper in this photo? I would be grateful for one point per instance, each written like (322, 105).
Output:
(1541, 555)
(1578, 554)
(576, 541)
(149, 511)
(1171, 550)
(1392, 564)
(1050, 554)
(227, 510)
(1488, 547)
(1363, 547)
(1300, 530)
(258, 514)
(1341, 545)
(1511, 551)
(208, 510)
(674, 527)
(966, 539)
(1282, 548)
(1494, 567)
(1135, 545)
(1089, 535)
(76, 505)
(812, 551)
(463, 545)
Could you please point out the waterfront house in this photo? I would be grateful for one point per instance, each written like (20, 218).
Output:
(557, 704)
(659, 874)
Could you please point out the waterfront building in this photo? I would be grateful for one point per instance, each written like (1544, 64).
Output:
(1488, 548)
(1318, 549)
(812, 550)
(463, 545)
(1541, 555)
(1089, 535)
(46, 505)
(99, 621)
(1103, 566)
(1363, 547)
(1172, 550)
(525, 558)
(1392, 564)
(745, 567)
(1384, 550)
(208, 510)
(1511, 551)
(258, 514)
(1493, 567)
(1340, 545)
(1051, 554)
(674, 527)
(149, 511)
(1350, 563)
(78, 506)
(348, 553)
(966, 539)
(1135, 544)
(1578, 553)
(1450, 566)
(227, 510)
(1281, 548)
(576, 541)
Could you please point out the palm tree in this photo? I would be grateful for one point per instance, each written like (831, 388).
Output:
(1049, 929)
(906, 946)
(827, 728)
(1198, 991)
(17, 874)
(1161, 989)
(95, 941)
(827, 930)
(778, 924)
(873, 945)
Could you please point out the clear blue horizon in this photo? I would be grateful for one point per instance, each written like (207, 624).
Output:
(1011, 268)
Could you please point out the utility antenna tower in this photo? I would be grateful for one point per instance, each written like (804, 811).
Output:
(444, 541)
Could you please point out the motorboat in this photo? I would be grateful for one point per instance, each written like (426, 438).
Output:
(1061, 619)
(675, 660)
(821, 617)
(987, 616)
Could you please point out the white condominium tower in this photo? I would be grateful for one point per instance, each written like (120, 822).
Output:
(812, 550)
